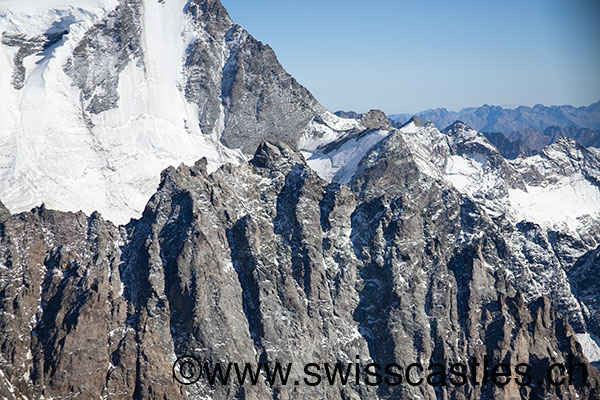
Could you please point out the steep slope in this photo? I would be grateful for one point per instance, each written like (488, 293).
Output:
(97, 97)
(400, 268)
(342, 240)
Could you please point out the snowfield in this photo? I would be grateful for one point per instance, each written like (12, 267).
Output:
(50, 153)
(565, 202)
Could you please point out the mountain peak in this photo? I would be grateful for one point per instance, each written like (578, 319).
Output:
(376, 119)
(456, 127)
(123, 62)
(272, 153)
(417, 121)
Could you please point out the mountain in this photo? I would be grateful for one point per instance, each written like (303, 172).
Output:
(97, 98)
(498, 119)
(409, 261)
(522, 130)
(510, 149)
(536, 140)
(277, 231)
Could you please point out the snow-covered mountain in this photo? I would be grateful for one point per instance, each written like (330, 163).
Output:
(338, 237)
(267, 262)
(557, 189)
(548, 205)
(98, 96)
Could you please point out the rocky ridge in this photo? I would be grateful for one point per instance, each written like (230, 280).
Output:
(267, 262)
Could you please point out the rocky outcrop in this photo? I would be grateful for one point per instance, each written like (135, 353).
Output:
(266, 262)
(242, 93)
(4, 213)
(376, 119)
(421, 257)
(103, 54)
(510, 149)
(26, 47)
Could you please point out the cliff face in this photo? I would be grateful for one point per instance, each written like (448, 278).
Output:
(266, 262)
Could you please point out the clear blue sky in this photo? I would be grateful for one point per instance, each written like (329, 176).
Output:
(408, 56)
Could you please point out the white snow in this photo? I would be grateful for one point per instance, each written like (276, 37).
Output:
(49, 154)
(411, 127)
(339, 123)
(590, 345)
(465, 172)
(340, 165)
(330, 129)
(563, 203)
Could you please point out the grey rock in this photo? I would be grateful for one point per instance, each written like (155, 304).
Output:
(28, 46)
(242, 92)
(348, 114)
(510, 149)
(248, 90)
(4, 213)
(103, 53)
(266, 262)
(376, 119)
(536, 140)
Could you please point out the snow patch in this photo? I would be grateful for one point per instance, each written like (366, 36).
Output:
(590, 345)
(560, 204)
(411, 127)
(463, 172)
(340, 164)
(325, 129)
(48, 151)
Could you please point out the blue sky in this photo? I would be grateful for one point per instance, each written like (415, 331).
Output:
(408, 56)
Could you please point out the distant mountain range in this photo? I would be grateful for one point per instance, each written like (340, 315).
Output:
(523, 130)
(498, 119)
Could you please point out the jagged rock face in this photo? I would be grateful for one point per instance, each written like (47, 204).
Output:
(545, 207)
(376, 119)
(510, 149)
(585, 136)
(64, 321)
(536, 140)
(27, 46)
(251, 96)
(434, 250)
(267, 262)
(586, 288)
